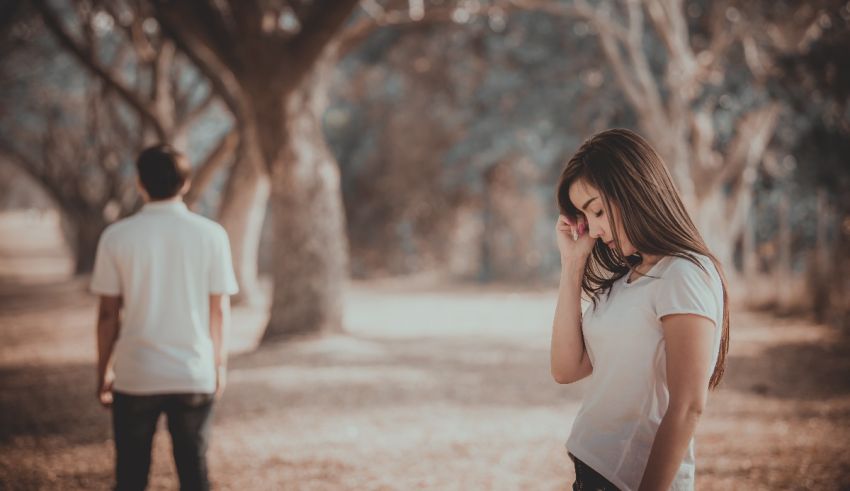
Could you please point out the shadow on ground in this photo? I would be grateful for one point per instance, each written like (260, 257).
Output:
(54, 400)
(800, 370)
(428, 410)
(360, 373)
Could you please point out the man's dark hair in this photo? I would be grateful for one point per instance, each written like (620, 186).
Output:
(163, 171)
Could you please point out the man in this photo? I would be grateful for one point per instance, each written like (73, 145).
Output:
(163, 276)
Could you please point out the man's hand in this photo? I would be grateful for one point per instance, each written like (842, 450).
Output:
(220, 381)
(104, 392)
(219, 325)
(108, 327)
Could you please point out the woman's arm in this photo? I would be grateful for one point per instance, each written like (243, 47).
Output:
(569, 361)
(689, 341)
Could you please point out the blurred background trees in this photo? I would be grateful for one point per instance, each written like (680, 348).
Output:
(399, 137)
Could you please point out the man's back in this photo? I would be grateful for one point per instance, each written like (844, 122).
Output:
(164, 261)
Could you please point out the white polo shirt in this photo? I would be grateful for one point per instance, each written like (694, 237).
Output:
(164, 261)
(626, 395)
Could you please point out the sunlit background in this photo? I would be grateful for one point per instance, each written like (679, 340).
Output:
(394, 162)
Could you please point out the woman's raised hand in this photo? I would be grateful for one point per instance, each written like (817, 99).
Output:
(574, 242)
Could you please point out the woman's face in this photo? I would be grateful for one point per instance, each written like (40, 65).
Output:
(588, 200)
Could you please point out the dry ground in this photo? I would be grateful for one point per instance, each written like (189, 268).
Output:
(429, 389)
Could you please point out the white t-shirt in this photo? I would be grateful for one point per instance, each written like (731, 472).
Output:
(626, 395)
(164, 261)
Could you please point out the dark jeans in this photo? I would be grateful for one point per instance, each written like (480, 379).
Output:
(588, 479)
(134, 419)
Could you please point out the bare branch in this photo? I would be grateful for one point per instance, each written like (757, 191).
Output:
(247, 18)
(373, 9)
(318, 27)
(88, 60)
(613, 37)
(20, 161)
(188, 118)
(214, 162)
(193, 45)
(682, 67)
(206, 21)
(358, 32)
(751, 139)
(639, 62)
(161, 84)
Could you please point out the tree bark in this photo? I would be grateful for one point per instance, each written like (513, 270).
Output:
(311, 249)
(242, 214)
(749, 254)
(87, 228)
(784, 266)
(260, 76)
(820, 273)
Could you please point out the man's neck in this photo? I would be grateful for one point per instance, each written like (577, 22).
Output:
(176, 199)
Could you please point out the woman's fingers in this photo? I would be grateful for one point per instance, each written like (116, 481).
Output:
(568, 226)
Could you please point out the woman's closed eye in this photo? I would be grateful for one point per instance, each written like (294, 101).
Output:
(598, 214)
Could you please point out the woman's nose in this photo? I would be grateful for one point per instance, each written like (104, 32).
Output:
(595, 231)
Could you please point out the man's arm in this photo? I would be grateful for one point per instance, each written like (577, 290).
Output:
(108, 327)
(219, 326)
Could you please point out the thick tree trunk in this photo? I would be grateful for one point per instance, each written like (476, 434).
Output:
(242, 213)
(713, 223)
(311, 249)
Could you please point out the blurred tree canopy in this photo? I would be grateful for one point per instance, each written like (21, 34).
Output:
(395, 136)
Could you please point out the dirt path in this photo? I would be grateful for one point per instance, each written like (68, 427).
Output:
(428, 390)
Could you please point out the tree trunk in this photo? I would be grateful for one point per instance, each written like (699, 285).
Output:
(820, 273)
(485, 260)
(87, 230)
(749, 254)
(784, 266)
(714, 225)
(242, 213)
(311, 249)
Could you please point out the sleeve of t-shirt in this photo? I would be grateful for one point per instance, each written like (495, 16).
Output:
(686, 289)
(106, 278)
(222, 277)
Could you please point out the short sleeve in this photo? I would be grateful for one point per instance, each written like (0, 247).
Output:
(686, 289)
(106, 278)
(222, 277)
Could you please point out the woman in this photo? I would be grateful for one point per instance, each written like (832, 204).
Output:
(655, 335)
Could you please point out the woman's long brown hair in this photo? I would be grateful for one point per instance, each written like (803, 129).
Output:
(630, 174)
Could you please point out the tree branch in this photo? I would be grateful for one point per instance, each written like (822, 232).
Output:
(193, 45)
(206, 21)
(318, 28)
(161, 84)
(214, 162)
(639, 62)
(355, 34)
(88, 60)
(755, 130)
(20, 161)
(188, 118)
